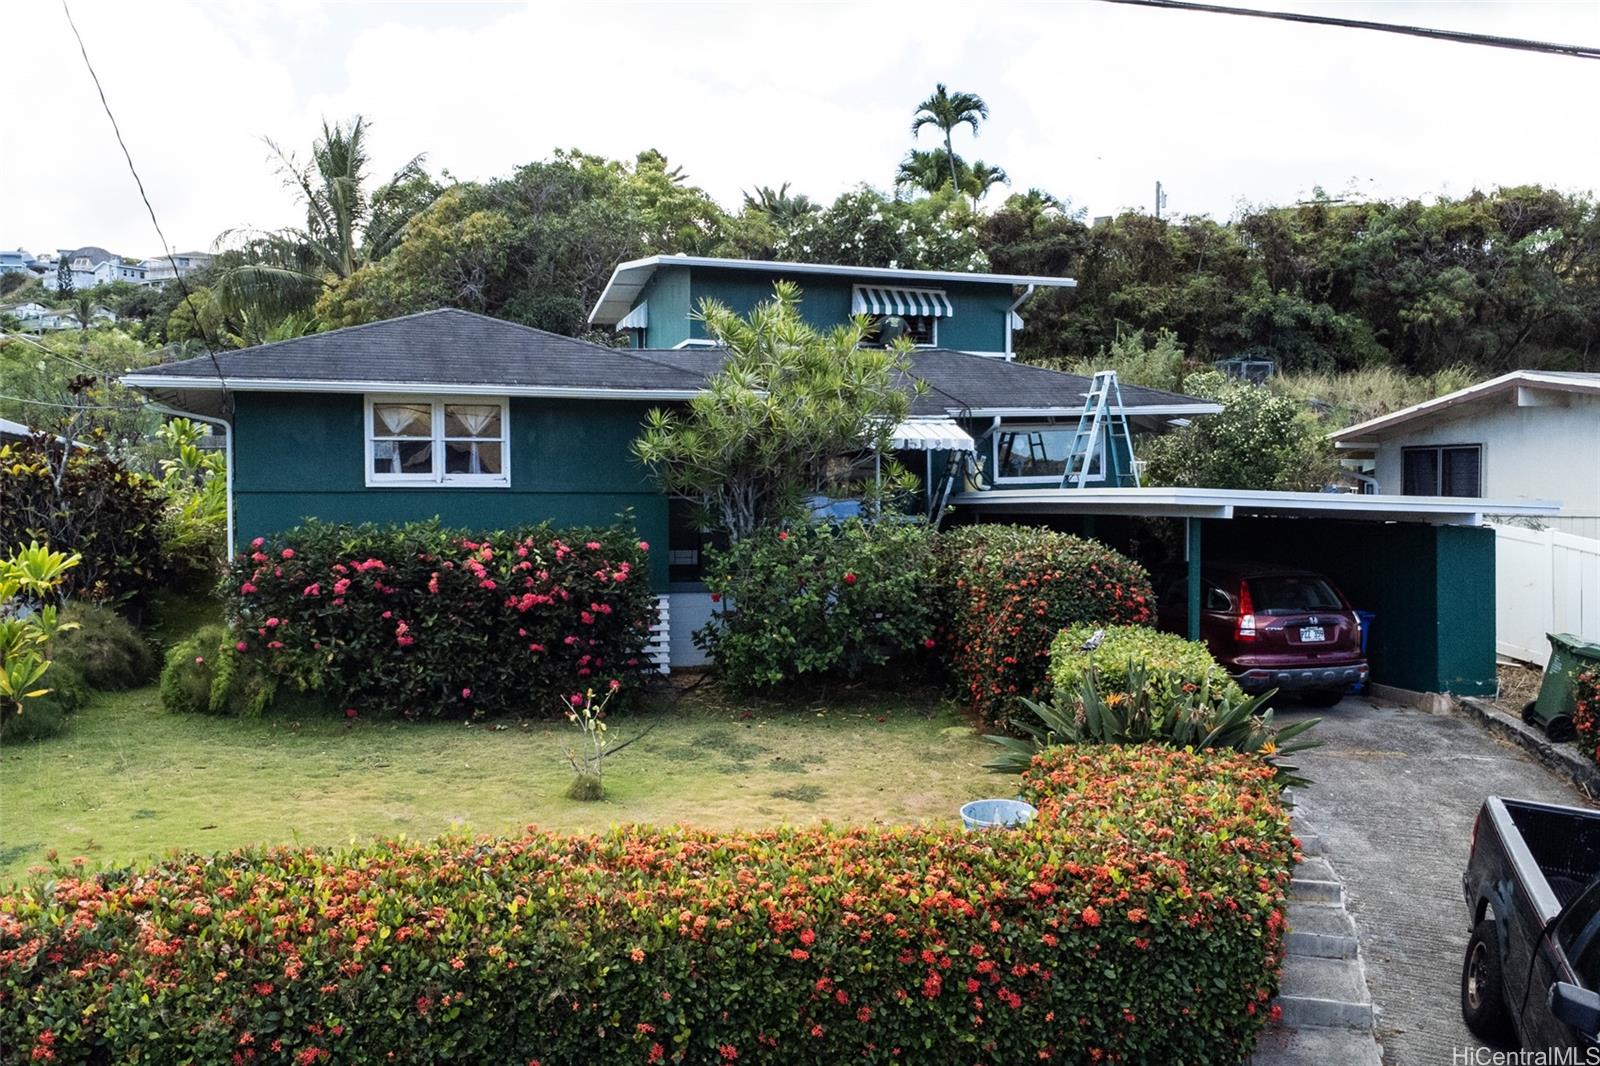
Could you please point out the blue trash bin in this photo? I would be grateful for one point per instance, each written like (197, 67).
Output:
(996, 814)
(1366, 618)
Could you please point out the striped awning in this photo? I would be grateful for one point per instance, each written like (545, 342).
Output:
(638, 318)
(883, 300)
(932, 435)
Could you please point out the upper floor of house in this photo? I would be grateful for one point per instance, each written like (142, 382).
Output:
(654, 301)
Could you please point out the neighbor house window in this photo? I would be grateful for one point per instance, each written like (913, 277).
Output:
(1449, 470)
(1038, 454)
(412, 441)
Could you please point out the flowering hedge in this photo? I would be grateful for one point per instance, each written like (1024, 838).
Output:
(1586, 714)
(1011, 589)
(422, 620)
(1139, 919)
(818, 600)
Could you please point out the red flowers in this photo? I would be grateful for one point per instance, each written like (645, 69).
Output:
(849, 577)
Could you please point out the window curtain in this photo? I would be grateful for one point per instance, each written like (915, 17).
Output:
(475, 420)
(396, 416)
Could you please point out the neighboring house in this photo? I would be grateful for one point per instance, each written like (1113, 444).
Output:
(92, 265)
(37, 318)
(15, 261)
(161, 269)
(1529, 434)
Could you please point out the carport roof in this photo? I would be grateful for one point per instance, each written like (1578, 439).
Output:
(1240, 503)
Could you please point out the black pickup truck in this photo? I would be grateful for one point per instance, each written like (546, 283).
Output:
(1532, 970)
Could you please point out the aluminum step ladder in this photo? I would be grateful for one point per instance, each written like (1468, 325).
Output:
(1100, 424)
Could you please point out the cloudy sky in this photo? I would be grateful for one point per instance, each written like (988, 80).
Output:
(1092, 101)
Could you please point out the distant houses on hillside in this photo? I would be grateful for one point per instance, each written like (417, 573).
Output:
(91, 265)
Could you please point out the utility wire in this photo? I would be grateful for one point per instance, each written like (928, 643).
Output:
(77, 406)
(188, 298)
(1520, 44)
(47, 350)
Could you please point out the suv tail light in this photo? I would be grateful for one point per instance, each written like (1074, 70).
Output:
(1247, 619)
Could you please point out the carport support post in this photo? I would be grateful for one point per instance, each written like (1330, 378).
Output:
(1191, 555)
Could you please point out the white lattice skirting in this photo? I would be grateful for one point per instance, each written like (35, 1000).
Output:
(660, 647)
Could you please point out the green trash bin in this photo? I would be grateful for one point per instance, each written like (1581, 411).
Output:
(1569, 657)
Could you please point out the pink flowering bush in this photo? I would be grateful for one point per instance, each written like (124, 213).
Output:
(420, 620)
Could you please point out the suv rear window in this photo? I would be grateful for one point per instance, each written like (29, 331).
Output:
(1290, 595)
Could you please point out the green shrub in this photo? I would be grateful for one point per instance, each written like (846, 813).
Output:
(1138, 919)
(1171, 665)
(49, 714)
(1010, 589)
(820, 600)
(207, 673)
(106, 513)
(420, 620)
(107, 650)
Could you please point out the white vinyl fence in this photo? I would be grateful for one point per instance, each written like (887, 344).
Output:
(1545, 582)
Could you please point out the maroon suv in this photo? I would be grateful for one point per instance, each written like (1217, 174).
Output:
(1271, 627)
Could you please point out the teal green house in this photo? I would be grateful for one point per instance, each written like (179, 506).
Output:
(484, 423)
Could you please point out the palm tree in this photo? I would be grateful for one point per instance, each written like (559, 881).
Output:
(948, 110)
(927, 171)
(783, 209)
(283, 271)
(980, 177)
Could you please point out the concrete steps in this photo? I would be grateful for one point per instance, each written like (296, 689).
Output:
(1327, 1013)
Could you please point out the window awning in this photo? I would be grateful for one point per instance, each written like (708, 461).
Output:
(884, 300)
(932, 435)
(638, 318)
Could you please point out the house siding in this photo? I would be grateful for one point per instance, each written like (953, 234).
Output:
(300, 456)
(675, 293)
(1542, 453)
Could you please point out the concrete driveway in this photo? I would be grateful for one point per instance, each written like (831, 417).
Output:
(1393, 796)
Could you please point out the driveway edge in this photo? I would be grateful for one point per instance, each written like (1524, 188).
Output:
(1564, 759)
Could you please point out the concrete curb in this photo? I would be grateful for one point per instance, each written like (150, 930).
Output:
(1564, 759)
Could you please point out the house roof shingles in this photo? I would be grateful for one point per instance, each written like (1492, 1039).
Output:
(444, 347)
(449, 348)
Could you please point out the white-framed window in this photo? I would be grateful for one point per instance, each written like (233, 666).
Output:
(921, 330)
(438, 440)
(1036, 453)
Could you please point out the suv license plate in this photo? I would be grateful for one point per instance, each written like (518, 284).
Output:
(1308, 634)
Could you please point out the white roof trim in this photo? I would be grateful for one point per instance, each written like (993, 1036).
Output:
(1503, 383)
(156, 382)
(932, 435)
(1174, 410)
(1231, 503)
(629, 278)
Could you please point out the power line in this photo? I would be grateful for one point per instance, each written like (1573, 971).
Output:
(1520, 44)
(24, 338)
(77, 406)
(166, 248)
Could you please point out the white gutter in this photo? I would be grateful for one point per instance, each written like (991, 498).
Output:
(165, 381)
(1469, 394)
(1171, 410)
(1012, 310)
(227, 458)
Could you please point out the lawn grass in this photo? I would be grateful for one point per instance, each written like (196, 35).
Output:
(128, 781)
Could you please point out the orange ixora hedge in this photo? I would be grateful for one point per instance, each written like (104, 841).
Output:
(1139, 919)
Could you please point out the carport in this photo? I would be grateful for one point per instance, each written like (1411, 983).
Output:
(1424, 565)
